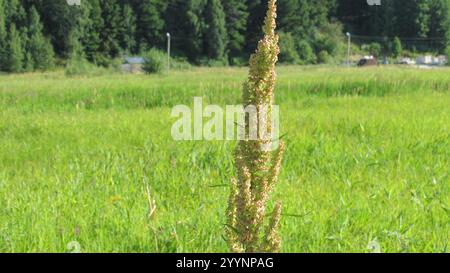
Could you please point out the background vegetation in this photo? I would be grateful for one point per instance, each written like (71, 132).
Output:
(211, 32)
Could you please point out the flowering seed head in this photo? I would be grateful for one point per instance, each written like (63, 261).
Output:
(257, 169)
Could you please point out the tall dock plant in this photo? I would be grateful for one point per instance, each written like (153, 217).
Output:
(257, 168)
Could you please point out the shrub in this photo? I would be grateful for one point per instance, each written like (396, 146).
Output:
(238, 61)
(102, 60)
(397, 48)
(155, 61)
(288, 51)
(323, 57)
(306, 53)
(179, 64)
(375, 49)
(213, 62)
(447, 53)
(329, 38)
(79, 66)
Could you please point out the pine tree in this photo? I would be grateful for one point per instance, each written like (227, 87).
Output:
(61, 20)
(319, 11)
(294, 17)
(39, 48)
(91, 32)
(76, 48)
(215, 35)
(422, 18)
(111, 30)
(150, 24)
(439, 27)
(184, 24)
(286, 14)
(77, 62)
(15, 51)
(127, 37)
(288, 51)
(3, 37)
(413, 19)
(255, 19)
(389, 19)
(374, 23)
(15, 14)
(236, 15)
(28, 62)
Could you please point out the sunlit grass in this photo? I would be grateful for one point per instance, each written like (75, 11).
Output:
(368, 158)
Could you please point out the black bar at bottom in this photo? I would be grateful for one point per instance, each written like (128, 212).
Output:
(241, 263)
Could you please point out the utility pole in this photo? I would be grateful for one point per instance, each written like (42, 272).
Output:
(168, 51)
(349, 48)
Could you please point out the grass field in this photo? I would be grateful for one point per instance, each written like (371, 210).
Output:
(368, 159)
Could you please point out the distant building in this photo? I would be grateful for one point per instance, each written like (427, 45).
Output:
(424, 60)
(440, 60)
(432, 60)
(133, 65)
(407, 61)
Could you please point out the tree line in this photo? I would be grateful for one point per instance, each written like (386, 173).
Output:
(36, 34)
(422, 24)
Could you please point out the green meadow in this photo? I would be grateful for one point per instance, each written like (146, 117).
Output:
(91, 160)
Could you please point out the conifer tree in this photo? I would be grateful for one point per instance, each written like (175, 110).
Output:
(76, 48)
(149, 23)
(127, 40)
(92, 29)
(15, 14)
(15, 53)
(3, 37)
(111, 30)
(439, 28)
(184, 24)
(236, 15)
(255, 19)
(215, 35)
(422, 18)
(39, 48)
(288, 18)
(61, 20)
(28, 62)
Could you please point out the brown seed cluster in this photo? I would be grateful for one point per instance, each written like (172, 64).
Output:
(257, 168)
